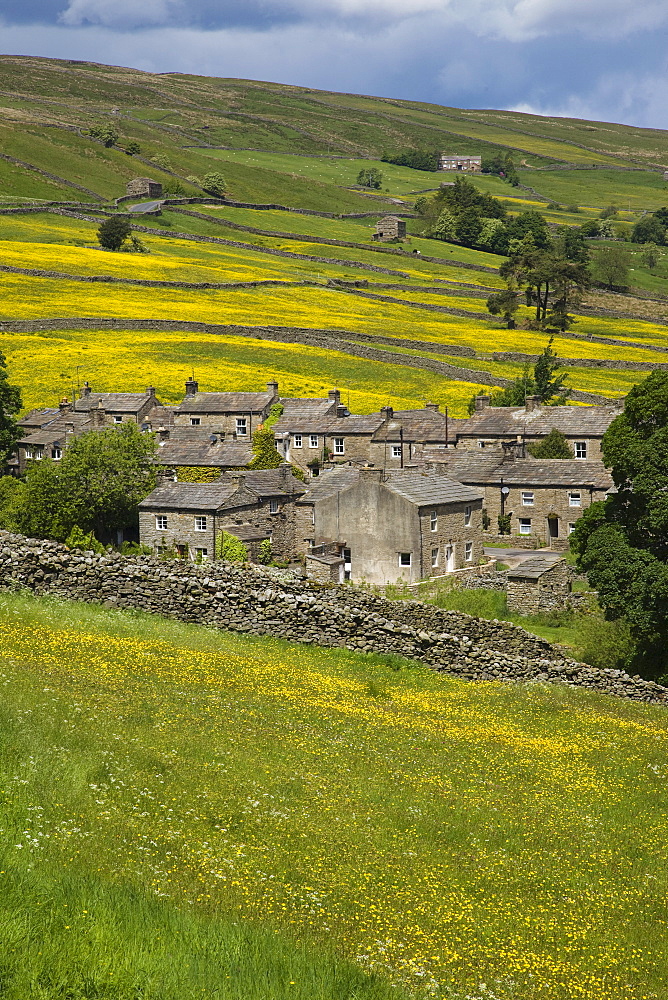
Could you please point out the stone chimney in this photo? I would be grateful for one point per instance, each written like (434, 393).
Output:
(163, 434)
(238, 480)
(370, 474)
(64, 405)
(532, 403)
(387, 413)
(98, 414)
(341, 410)
(285, 471)
(272, 387)
(69, 432)
(433, 406)
(150, 391)
(85, 390)
(482, 402)
(334, 395)
(192, 387)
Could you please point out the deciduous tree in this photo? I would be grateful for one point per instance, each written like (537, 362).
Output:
(10, 404)
(113, 232)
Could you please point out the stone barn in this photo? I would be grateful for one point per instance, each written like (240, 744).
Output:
(539, 584)
(391, 227)
(144, 187)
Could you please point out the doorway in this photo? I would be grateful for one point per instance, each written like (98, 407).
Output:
(552, 529)
(449, 558)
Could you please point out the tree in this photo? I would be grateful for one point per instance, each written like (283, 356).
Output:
(95, 486)
(445, 228)
(113, 232)
(104, 133)
(214, 183)
(611, 266)
(370, 177)
(622, 542)
(132, 148)
(548, 384)
(649, 229)
(650, 255)
(553, 445)
(10, 405)
(505, 303)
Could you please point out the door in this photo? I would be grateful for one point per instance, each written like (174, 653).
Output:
(552, 529)
(347, 564)
(449, 558)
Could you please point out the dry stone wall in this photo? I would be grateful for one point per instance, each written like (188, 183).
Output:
(272, 602)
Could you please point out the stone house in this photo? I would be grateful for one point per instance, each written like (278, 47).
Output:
(118, 407)
(519, 426)
(232, 415)
(196, 454)
(465, 164)
(141, 187)
(191, 517)
(390, 227)
(390, 526)
(538, 584)
(544, 498)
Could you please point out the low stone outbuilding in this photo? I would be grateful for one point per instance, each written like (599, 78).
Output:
(539, 584)
(144, 187)
(390, 227)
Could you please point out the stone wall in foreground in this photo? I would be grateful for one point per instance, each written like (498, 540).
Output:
(274, 602)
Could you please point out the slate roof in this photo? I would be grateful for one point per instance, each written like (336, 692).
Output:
(329, 483)
(501, 421)
(226, 402)
(272, 483)
(489, 468)
(308, 409)
(56, 429)
(415, 425)
(532, 568)
(424, 488)
(332, 425)
(112, 402)
(193, 446)
(38, 418)
(189, 496)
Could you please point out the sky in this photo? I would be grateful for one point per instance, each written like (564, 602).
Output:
(605, 60)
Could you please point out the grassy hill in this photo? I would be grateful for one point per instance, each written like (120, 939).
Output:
(220, 798)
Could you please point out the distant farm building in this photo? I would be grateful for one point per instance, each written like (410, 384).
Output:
(391, 227)
(468, 164)
(665, 175)
(144, 186)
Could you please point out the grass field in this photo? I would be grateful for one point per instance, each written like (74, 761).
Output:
(460, 840)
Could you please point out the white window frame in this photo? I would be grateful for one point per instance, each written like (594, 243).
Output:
(481, 444)
(434, 558)
(28, 452)
(273, 506)
(56, 454)
(195, 421)
(201, 522)
(117, 419)
(571, 527)
(433, 520)
(297, 441)
(580, 446)
(575, 499)
(202, 554)
(242, 427)
(405, 560)
(313, 441)
(528, 498)
(395, 451)
(468, 511)
(161, 522)
(525, 525)
(39, 454)
(339, 446)
(468, 551)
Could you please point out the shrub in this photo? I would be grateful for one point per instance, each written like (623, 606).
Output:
(78, 539)
(230, 548)
(214, 183)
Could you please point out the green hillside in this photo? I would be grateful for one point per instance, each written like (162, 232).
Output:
(192, 813)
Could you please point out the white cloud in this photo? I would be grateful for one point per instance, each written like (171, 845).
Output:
(123, 14)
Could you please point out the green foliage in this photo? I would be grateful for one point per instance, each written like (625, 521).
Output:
(486, 520)
(113, 232)
(553, 445)
(502, 166)
(445, 228)
(622, 542)
(505, 303)
(607, 645)
(265, 455)
(548, 384)
(132, 148)
(10, 406)
(105, 133)
(609, 212)
(370, 177)
(417, 159)
(611, 266)
(197, 473)
(214, 183)
(136, 245)
(230, 548)
(12, 492)
(78, 539)
(650, 255)
(649, 229)
(504, 524)
(265, 555)
(96, 486)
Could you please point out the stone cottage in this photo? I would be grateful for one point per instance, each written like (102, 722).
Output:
(539, 584)
(144, 187)
(235, 415)
(390, 227)
(391, 526)
(191, 517)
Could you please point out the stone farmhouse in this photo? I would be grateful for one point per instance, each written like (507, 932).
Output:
(518, 426)
(383, 527)
(390, 227)
(144, 187)
(467, 164)
(253, 506)
(233, 415)
(544, 498)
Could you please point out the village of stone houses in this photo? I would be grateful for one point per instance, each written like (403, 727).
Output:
(333, 546)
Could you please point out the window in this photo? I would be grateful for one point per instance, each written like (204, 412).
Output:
(200, 524)
(525, 526)
(574, 500)
(195, 421)
(182, 551)
(39, 453)
(467, 517)
(468, 551)
(404, 558)
(273, 506)
(434, 558)
(396, 451)
(118, 420)
(527, 499)
(339, 446)
(580, 449)
(297, 441)
(201, 555)
(56, 454)
(481, 444)
(313, 441)
(161, 522)
(241, 427)
(571, 528)
(433, 520)
(28, 452)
